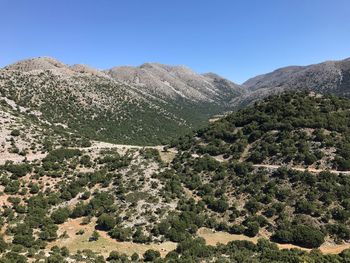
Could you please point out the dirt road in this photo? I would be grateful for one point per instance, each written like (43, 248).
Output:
(298, 168)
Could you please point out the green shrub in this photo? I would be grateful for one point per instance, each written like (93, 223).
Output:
(15, 133)
(58, 155)
(151, 255)
(106, 222)
(60, 215)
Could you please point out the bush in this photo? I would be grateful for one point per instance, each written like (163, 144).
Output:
(120, 234)
(135, 257)
(195, 248)
(283, 236)
(61, 154)
(114, 256)
(252, 229)
(150, 153)
(217, 205)
(49, 232)
(339, 230)
(342, 164)
(252, 206)
(307, 236)
(237, 229)
(301, 235)
(151, 255)
(106, 222)
(139, 236)
(3, 244)
(95, 236)
(13, 257)
(18, 170)
(60, 215)
(15, 133)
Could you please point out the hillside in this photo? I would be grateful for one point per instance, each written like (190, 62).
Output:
(25, 137)
(277, 167)
(177, 82)
(108, 106)
(152, 103)
(330, 77)
(269, 177)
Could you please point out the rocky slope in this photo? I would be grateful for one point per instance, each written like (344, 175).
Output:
(176, 82)
(142, 105)
(327, 77)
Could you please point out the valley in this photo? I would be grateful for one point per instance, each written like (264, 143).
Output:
(80, 181)
(175, 131)
(150, 104)
(273, 174)
(164, 102)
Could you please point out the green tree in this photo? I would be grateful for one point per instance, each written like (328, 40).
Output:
(151, 255)
(60, 215)
(252, 229)
(106, 222)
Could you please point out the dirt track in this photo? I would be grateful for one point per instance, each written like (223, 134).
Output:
(95, 146)
(297, 168)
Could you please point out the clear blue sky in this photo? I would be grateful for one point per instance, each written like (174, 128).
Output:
(236, 39)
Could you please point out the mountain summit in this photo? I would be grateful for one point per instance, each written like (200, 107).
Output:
(39, 63)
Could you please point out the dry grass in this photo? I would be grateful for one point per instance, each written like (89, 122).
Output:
(168, 156)
(213, 238)
(105, 244)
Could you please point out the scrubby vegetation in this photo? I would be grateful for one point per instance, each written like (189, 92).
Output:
(293, 128)
(68, 205)
(103, 109)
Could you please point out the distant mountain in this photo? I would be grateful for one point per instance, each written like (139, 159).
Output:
(142, 105)
(327, 77)
(176, 82)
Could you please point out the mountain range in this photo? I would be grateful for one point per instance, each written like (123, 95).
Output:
(139, 105)
(332, 77)
(150, 103)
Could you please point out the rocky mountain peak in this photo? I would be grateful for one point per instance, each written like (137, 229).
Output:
(39, 63)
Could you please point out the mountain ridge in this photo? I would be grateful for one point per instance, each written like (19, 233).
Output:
(181, 75)
(166, 102)
(331, 76)
(174, 81)
(177, 95)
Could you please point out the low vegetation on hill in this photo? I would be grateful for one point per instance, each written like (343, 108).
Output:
(266, 176)
(273, 167)
(299, 129)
